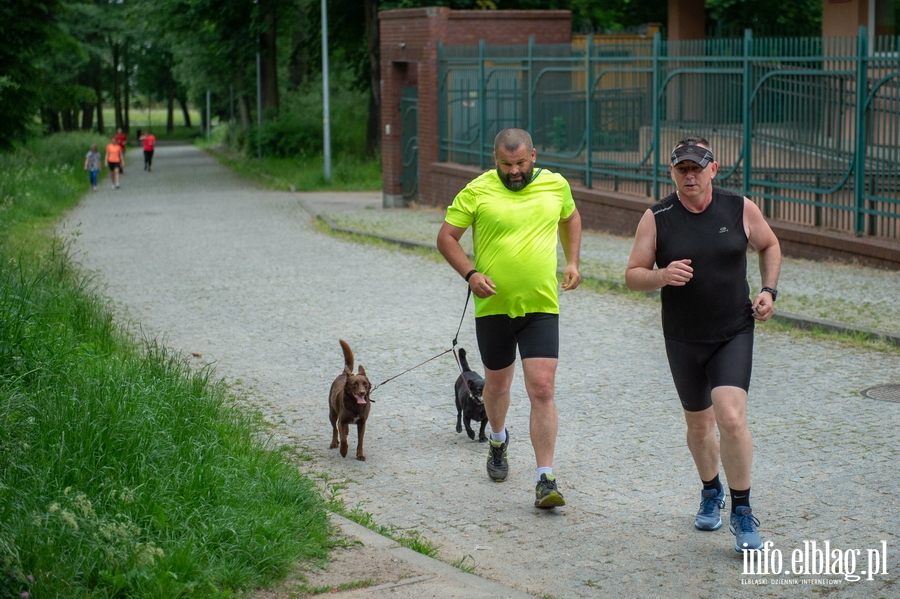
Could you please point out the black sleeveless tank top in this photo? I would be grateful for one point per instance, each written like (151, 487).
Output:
(715, 304)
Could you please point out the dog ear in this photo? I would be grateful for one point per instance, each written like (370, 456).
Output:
(361, 371)
(347, 371)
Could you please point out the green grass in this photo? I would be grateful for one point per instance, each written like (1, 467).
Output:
(348, 173)
(349, 170)
(123, 472)
(139, 118)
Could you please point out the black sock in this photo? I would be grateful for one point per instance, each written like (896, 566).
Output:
(713, 484)
(739, 498)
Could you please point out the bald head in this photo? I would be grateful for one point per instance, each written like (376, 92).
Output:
(511, 140)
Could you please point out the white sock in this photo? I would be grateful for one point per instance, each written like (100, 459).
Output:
(498, 437)
(544, 470)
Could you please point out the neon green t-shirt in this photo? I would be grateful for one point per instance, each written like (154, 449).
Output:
(515, 235)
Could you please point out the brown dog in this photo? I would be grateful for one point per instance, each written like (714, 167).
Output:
(349, 403)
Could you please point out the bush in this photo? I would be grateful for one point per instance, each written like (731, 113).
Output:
(297, 130)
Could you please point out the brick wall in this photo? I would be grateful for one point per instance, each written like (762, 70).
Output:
(619, 214)
(409, 41)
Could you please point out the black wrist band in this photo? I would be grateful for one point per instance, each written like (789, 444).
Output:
(469, 274)
(774, 292)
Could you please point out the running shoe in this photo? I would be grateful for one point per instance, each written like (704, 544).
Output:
(497, 462)
(711, 501)
(546, 495)
(743, 527)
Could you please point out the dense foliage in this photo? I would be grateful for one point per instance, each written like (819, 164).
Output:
(62, 62)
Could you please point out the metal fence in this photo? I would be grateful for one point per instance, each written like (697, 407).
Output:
(808, 128)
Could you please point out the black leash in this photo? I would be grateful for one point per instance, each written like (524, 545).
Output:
(452, 349)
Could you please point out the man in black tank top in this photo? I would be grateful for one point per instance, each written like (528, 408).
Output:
(692, 246)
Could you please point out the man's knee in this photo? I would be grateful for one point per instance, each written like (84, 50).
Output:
(700, 424)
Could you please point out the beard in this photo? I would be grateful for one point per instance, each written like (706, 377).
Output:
(517, 184)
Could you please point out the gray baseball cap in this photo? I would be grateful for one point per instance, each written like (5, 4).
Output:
(697, 154)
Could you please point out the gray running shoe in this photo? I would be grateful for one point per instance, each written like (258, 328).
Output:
(546, 495)
(497, 462)
(743, 527)
(711, 501)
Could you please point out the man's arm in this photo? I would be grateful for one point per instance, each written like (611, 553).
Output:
(448, 245)
(570, 238)
(640, 274)
(763, 239)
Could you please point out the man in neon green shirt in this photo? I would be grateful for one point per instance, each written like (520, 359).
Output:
(516, 213)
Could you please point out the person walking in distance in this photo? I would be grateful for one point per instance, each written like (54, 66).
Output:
(92, 165)
(115, 158)
(149, 141)
(122, 139)
(516, 213)
(697, 238)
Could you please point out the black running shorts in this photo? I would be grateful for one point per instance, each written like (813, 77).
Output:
(698, 368)
(536, 335)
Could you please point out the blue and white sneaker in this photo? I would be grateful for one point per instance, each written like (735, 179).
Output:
(743, 527)
(711, 501)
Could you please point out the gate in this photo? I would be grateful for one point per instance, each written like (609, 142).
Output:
(409, 142)
(807, 128)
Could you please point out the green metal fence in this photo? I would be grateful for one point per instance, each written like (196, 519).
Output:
(807, 128)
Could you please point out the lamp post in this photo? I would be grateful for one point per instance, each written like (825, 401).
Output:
(325, 108)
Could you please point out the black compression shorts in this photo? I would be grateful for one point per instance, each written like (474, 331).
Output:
(698, 368)
(536, 334)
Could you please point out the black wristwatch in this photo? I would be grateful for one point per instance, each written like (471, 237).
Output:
(774, 292)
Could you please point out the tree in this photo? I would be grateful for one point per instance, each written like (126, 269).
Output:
(26, 29)
(800, 18)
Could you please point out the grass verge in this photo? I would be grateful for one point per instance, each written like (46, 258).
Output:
(348, 172)
(123, 473)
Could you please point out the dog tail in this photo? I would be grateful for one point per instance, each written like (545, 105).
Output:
(463, 361)
(348, 355)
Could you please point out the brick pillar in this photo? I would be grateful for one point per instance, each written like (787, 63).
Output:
(687, 20)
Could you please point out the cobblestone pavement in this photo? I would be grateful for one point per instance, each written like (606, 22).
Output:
(242, 278)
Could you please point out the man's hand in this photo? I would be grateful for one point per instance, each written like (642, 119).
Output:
(482, 285)
(678, 273)
(763, 306)
(571, 277)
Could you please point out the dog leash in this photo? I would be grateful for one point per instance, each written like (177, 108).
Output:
(452, 349)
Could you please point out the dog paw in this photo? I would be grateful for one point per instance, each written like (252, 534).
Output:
(471, 434)
(332, 446)
(361, 458)
(482, 439)
(458, 428)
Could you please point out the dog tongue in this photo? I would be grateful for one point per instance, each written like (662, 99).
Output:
(361, 399)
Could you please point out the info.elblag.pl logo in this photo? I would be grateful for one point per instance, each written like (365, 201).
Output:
(818, 559)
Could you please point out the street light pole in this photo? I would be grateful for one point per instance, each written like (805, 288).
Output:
(258, 102)
(326, 119)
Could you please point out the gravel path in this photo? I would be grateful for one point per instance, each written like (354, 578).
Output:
(855, 295)
(241, 278)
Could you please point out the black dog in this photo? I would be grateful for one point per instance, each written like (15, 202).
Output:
(469, 402)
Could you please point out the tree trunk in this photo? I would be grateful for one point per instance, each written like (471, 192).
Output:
(87, 117)
(126, 88)
(373, 126)
(50, 118)
(68, 120)
(244, 111)
(117, 94)
(184, 111)
(269, 59)
(99, 90)
(170, 105)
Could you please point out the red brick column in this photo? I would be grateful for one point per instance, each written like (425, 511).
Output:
(409, 43)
